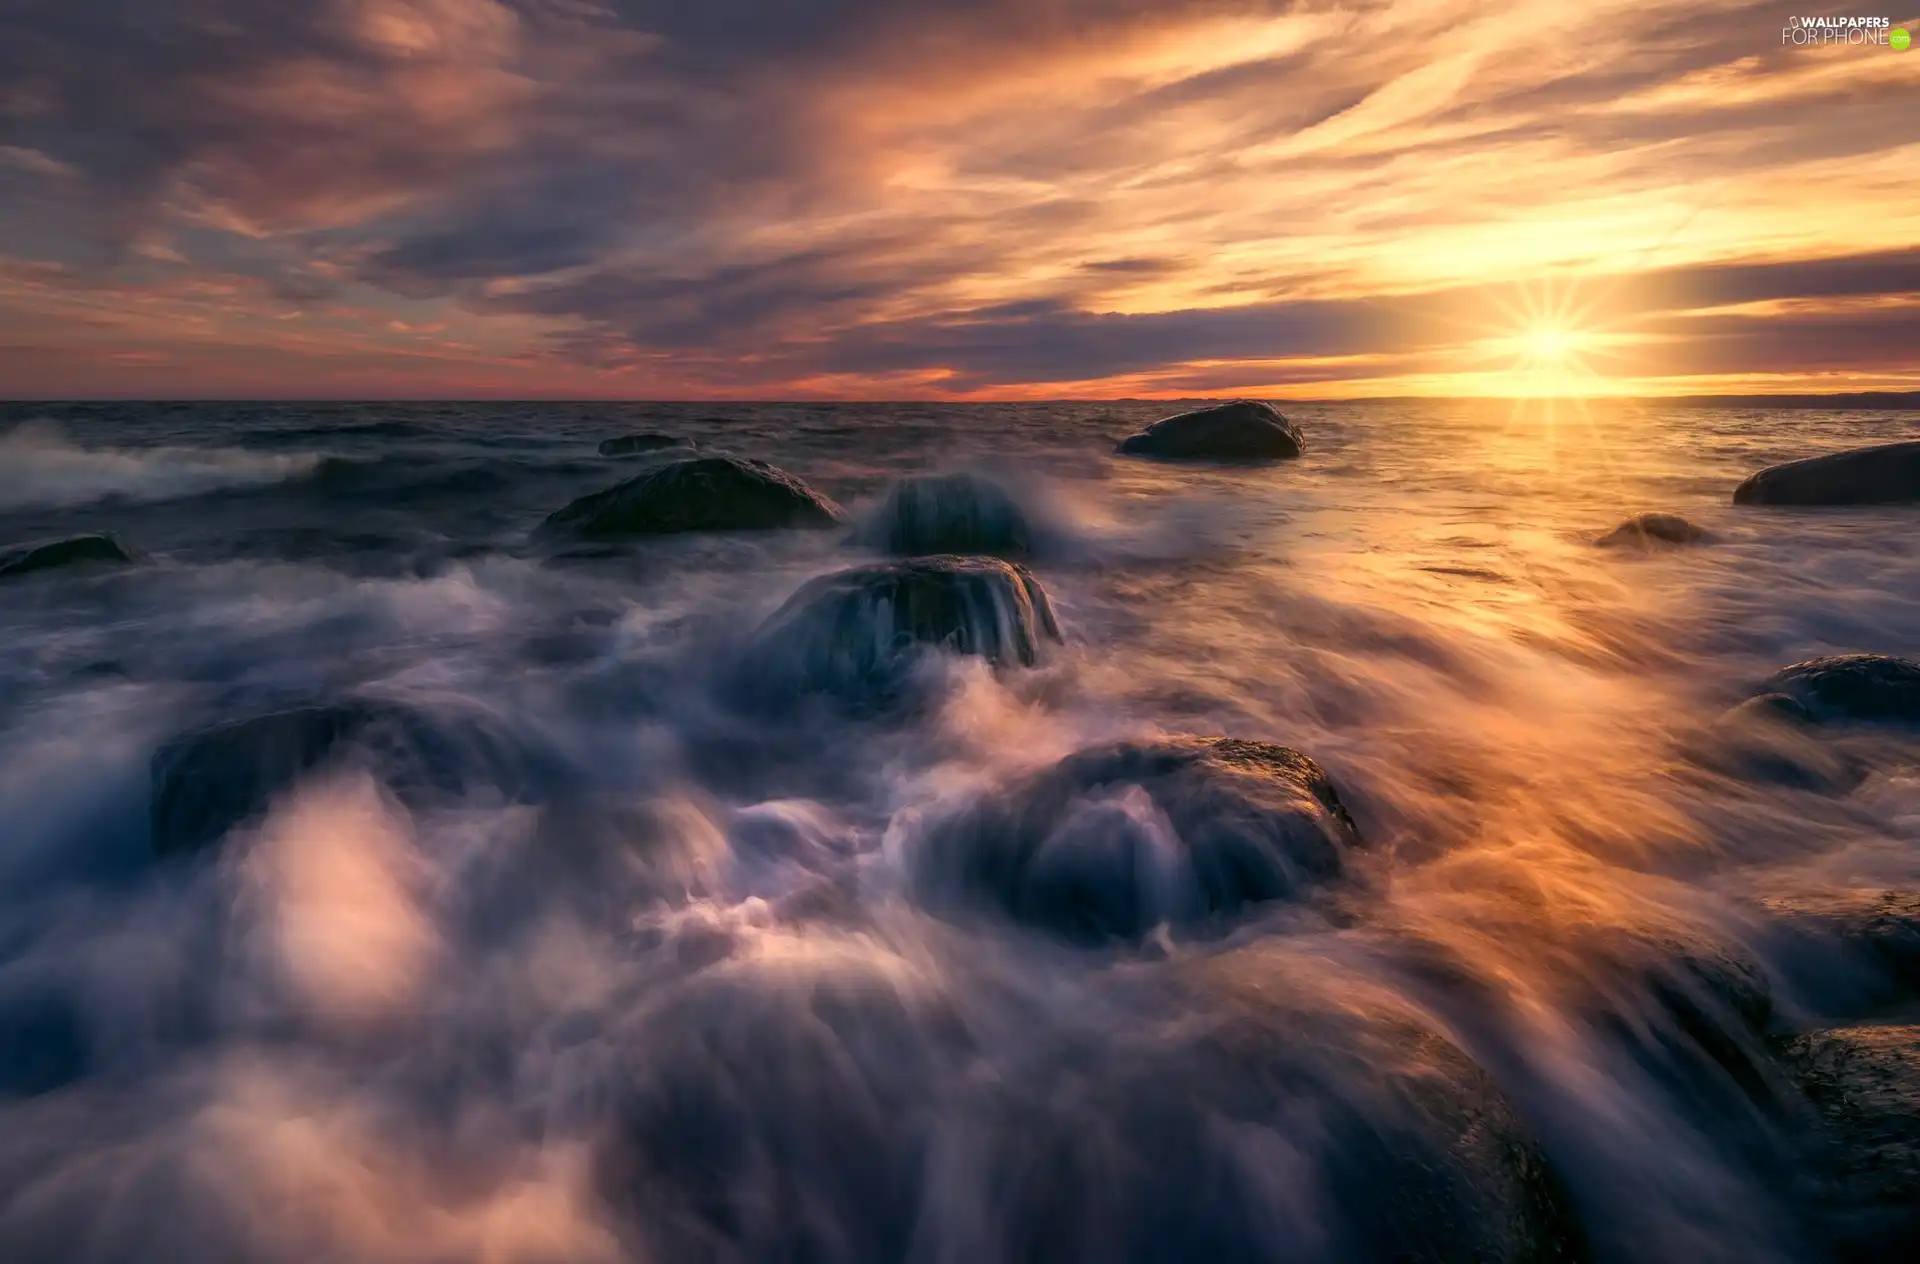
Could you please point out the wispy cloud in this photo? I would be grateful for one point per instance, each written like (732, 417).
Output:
(941, 196)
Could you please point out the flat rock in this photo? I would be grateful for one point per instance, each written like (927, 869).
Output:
(1651, 531)
(715, 493)
(1875, 688)
(1885, 474)
(1244, 430)
(73, 551)
(1116, 840)
(635, 444)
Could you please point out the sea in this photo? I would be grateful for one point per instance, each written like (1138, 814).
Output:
(687, 995)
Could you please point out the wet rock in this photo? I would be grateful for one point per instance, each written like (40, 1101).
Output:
(856, 633)
(1875, 688)
(1888, 473)
(1114, 841)
(73, 551)
(206, 782)
(636, 444)
(1652, 530)
(1859, 949)
(950, 513)
(43, 1042)
(1864, 1085)
(702, 494)
(1772, 739)
(1244, 430)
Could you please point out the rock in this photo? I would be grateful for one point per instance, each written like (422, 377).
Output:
(209, 781)
(1886, 474)
(1652, 530)
(1875, 688)
(714, 493)
(1772, 738)
(950, 513)
(1244, 430)
(635, 444)
(1864, 1086)
(78, 550)
(1116, 840)
(856, 633)
(1857, 950)
(43, 1042)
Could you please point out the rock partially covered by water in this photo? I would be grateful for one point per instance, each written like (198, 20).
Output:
(206, 782)
(1885, 474)
(1244, 430)
(1864, 1085)
(950, 513)
(715, 493)
(79, 550)
(635, 444)
(1773, 738)
(1859, 949)
(1652, 530)
(1114, 841)
(1875, 688)
(856, 633)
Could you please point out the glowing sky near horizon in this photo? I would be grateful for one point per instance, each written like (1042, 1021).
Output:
(950, 198)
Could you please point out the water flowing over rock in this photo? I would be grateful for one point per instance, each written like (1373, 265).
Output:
(1875, 688)
(1244, 430)
(1774, 738)
(73, 551)
(856, 632)
(1652, 530)
(1116, 840)
(950, 513)
(206, 782)
(636, 444)
(1885, 474)
(703, 494)
(1864, 1085)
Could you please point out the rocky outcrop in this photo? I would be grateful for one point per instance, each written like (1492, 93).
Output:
(950, 513)
(63, 554)
(1652, 531)
(856, 633)
(1886, 474)
(1864, 1087)
(1114, 841)
(1244, 430)
(637, 444)
(1875, 688)
(703, 494)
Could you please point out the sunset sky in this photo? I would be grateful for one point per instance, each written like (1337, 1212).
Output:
(951, 198)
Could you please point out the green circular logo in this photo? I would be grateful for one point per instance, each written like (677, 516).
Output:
(1899, 39)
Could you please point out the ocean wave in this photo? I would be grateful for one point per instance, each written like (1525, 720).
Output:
(41, 468)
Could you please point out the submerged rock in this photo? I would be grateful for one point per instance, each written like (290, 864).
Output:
(951, 513)
(79, 550)
(1773, 738)
(1652, 530)
(1864, 1085)
(1885, 474)
(855, 633)
(715, 493)
(206, 782)
(635, 444)
(1859, 949)
(1862, 687)
(1114, 841)
(1244, 430)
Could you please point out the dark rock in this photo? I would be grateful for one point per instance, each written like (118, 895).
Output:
(635, 444)
(1113, 841)
(951, 513)
(1860, 949)
(1864, 1085)
(43, 1042)
(1652, 530)
(1886, 474)
(1772, 738)
(1244, 430)
(714, 493)
(207, 782)
(79, 550)
(1875, 688)
(856, 633)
